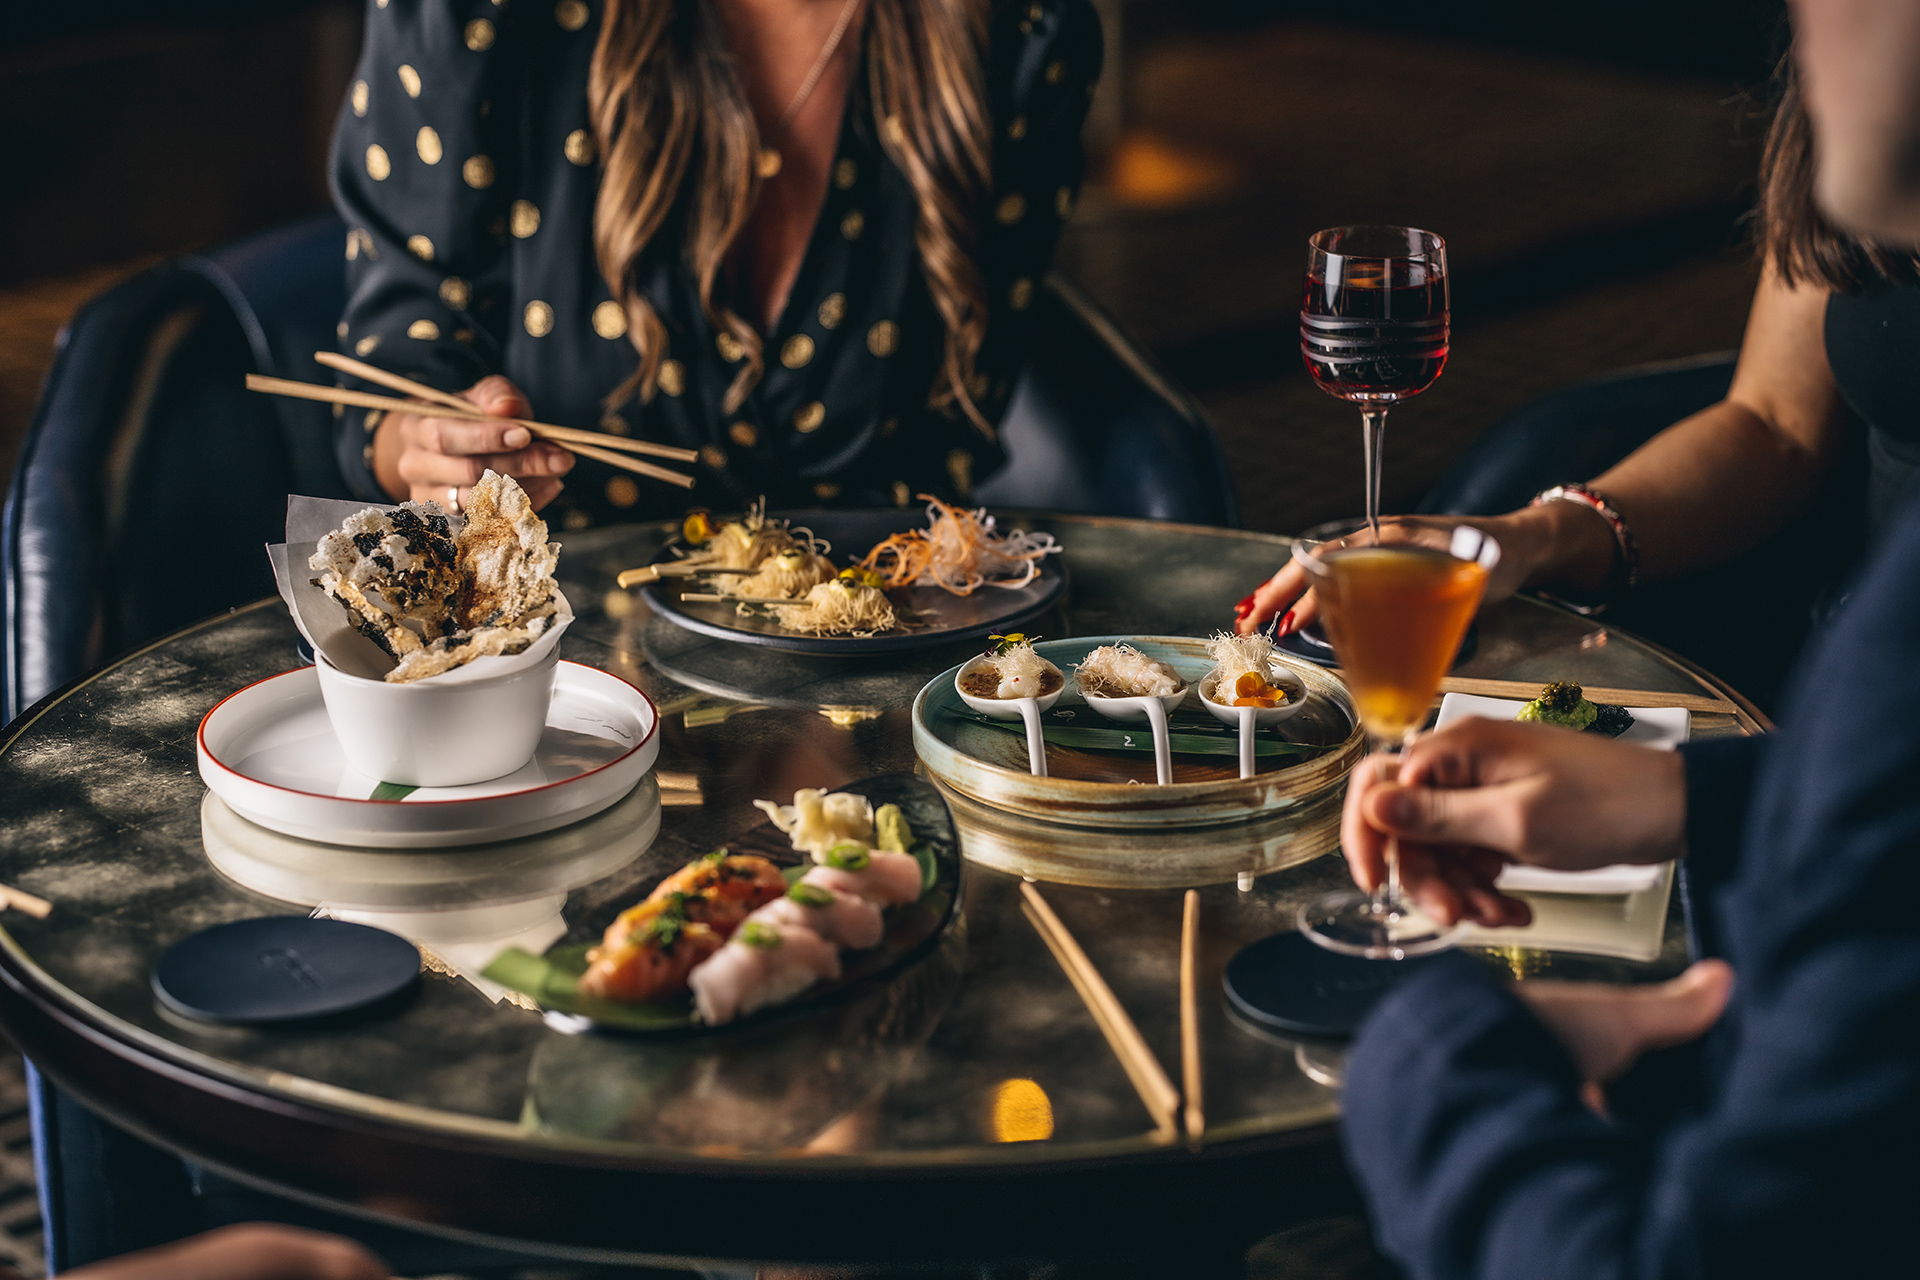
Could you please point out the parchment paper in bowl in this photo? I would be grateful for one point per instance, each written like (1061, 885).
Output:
(324, 623)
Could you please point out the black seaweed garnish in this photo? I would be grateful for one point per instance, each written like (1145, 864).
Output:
(1610, 720)
(367, 540)
(379, 636)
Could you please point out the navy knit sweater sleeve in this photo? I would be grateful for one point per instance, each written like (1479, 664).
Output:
(1463, 1120)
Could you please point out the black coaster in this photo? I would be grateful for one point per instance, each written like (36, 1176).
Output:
(283, 968)
(1287, 983)
(1310, 642)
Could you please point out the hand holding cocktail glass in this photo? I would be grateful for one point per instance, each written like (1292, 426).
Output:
(1396, 598)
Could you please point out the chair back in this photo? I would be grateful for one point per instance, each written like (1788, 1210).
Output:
(1093, 427)
(150, 478)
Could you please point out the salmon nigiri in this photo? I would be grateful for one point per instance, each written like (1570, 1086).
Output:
(652, 962)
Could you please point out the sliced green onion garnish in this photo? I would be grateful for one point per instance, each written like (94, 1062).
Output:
(811, 895)
(849, 856)
(755, 934)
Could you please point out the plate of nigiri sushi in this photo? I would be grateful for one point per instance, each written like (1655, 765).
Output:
(835, 890)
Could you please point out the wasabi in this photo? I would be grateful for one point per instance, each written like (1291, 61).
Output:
(890, 829)
(1563, 703)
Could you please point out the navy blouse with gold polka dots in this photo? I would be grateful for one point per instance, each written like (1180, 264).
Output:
(466, 170)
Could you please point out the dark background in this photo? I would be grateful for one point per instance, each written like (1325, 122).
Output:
(1588, 163)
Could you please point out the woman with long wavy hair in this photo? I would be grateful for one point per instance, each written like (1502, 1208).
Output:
(797, 236)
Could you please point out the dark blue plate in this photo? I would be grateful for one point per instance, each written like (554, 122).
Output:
(1310, 642)
(1288, 984)
(283, 968)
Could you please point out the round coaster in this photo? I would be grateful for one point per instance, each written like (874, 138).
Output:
(1287, 983)
(1310, 642)
(283, 968)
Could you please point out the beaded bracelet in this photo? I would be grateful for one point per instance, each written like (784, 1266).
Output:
(1626, 566)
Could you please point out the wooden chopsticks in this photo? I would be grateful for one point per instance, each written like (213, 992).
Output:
(588, 444)
(1190, 1076)
(21, 900)
(1526, 691)
(1143, 1069)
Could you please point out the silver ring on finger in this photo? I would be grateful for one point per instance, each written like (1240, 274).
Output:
(453, 498)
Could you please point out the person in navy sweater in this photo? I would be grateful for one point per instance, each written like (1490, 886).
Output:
(1477, 1110)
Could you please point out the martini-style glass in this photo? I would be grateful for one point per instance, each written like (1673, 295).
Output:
(1396, 605)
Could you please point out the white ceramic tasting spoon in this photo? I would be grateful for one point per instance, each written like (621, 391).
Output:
(1027, 709)
(1251, 718)
(1154, 710)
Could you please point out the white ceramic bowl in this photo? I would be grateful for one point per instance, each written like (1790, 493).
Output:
(1028, 709)
(439, 733)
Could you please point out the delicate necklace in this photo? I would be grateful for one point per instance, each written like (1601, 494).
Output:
(768, 162)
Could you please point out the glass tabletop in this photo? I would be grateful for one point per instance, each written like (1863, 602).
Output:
(983, 1052)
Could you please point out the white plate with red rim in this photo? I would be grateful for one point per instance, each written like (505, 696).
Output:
(270, 753)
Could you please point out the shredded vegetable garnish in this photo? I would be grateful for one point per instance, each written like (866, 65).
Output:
(842, 607)
(746, 543)
(960, 551)
(789, 574)
(1122, 671)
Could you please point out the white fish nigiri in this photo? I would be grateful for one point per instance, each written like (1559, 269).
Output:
(761, 964)
(844, 918)
(889, 879)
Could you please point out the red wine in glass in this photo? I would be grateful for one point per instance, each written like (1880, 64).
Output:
(1374, 324)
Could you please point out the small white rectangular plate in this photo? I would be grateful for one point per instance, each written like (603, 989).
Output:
(1665, 727)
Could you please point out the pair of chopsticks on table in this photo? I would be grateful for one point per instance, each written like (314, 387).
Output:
(1163, 1101)
(599, 446)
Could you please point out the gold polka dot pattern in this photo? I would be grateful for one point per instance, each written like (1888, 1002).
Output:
(420, 247)
(743, 434)
(613, 423)
(575, 520)
(570, 14)
(463, 335)
(523, 219)
(410, 80)
(796, 351)
(895, 132)
(609, 320)
(1056, 72)
(378, 165)
(340, 332)
(714, 456)
(479, 35)
(423, 330)
(902, 493)
(1063, 203)
(1017, 128)
(960, 467)
(884, 338)
(890, 426)
(478, 171)
(358, 97)
(845, 174)
(579, 147)
(673, 377)
(833, 309)
(1012, 208)
(371, 423)
(853, 224)
(427, 143)
(456, 293)
(538, 318)
(809, 416)
(1021, 294)
(729, 347)
(365, 346)
(622, 492)
(826, 491)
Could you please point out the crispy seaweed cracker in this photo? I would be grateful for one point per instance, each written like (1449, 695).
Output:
(506, 563)
(434, 600)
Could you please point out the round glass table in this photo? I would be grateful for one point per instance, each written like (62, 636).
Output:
(968, 1109)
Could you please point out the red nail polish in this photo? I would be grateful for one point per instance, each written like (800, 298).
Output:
(1286, 625)
(1245, 607)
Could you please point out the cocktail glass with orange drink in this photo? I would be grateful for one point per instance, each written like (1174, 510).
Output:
(1396, 605)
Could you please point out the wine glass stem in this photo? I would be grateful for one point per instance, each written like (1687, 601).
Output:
(1386, 895)
(1373, 428)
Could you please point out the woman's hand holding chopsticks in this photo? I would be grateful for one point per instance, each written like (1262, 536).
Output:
(419, 456)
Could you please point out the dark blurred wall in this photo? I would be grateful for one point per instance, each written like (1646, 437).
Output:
(141, 128)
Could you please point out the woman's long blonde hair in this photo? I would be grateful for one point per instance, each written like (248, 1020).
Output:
(669, 115)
